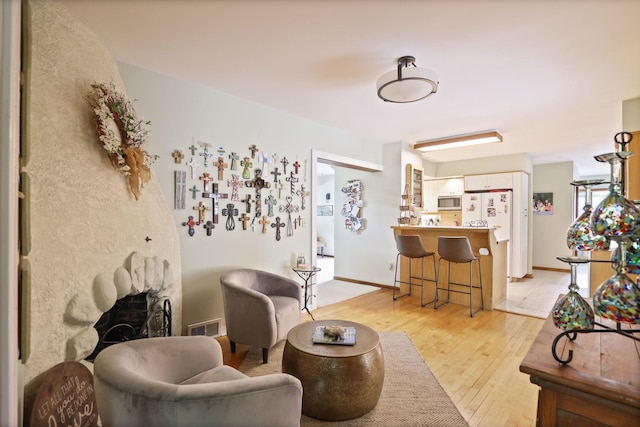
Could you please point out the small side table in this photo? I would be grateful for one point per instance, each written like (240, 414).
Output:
(305, 274)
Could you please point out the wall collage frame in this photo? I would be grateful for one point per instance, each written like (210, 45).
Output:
(264, 193)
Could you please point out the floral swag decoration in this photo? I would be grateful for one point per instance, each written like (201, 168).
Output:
(122, 134)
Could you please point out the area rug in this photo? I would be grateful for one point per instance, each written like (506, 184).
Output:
(411, 395)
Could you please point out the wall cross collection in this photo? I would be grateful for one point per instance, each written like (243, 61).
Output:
(240, 168)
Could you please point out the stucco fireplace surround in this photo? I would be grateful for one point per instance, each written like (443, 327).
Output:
(151, 275)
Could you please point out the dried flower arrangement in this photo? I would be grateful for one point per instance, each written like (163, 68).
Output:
(122, 134)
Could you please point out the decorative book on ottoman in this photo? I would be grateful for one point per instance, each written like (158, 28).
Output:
(341, 335)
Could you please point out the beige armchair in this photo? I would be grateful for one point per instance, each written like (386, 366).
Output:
(259, 307)
(181, 381)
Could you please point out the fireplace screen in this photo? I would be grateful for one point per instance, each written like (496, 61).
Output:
(132, 317)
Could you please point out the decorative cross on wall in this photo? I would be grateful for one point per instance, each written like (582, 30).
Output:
(258, 183)
(191, 223)
(277, 225)
(178, 156)
(264, 222)
(265, 161)
(289, 208)
(253, 150)
(284, 162)
(215, 196)
(235, 183)
(270, 202)
(180, 189)
(298, 222)
(209, 226)
(302, 193)
(296, 166)
(206, 179)
(243, 219)
(234, 160)
(248, 201)
(193, 149)
(193, 165)
(280, 188)
(292, 179)
(201, 208)
(206, 154)
(194, 190)
(246, 164)
(220, 164)
(230, 211)
(275, 174)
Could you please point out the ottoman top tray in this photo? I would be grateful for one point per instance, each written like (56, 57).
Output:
(300, 338)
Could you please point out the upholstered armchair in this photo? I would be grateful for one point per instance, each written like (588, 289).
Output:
(181, 381)
(259, 307)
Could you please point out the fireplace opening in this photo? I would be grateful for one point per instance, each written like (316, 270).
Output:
(132, 317)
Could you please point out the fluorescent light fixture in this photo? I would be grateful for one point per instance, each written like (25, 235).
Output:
(459, 141)
(407, 84)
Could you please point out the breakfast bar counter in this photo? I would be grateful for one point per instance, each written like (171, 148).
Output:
(494, 263)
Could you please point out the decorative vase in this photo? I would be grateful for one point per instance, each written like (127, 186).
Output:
(615, 215)
(580, 236)
(633, 256)
(572, 312)
(618, 298)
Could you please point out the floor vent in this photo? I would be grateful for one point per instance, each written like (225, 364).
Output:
(210, 328)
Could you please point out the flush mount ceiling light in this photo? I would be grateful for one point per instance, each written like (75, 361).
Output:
(459, 141)
(407, 84)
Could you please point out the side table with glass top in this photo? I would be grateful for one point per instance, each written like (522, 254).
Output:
(306, 273)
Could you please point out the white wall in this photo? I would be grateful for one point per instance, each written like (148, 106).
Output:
(181, 111)
(367, 255)
(550, 231)
(494, 164)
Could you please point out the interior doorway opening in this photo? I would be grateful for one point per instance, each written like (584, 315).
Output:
(325, 210)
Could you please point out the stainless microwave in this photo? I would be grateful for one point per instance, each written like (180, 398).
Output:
(449, 203)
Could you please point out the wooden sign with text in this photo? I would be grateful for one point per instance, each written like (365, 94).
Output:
(62, 396)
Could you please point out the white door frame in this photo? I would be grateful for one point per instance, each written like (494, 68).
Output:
(318, 156)
(10, 390)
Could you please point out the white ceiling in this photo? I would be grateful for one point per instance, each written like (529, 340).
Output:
(549, 75)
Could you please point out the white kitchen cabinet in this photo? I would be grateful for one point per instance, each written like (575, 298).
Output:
(441, 187)
(431, 193)
(452, 187)
(494, 181)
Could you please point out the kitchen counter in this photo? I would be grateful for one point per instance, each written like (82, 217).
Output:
(494, 263)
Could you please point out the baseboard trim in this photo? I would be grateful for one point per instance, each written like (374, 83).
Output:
(362, 282)
(559, 270)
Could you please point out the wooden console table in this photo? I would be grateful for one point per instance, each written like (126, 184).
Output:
(600, 387)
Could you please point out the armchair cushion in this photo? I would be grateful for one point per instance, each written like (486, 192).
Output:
(180, 381)
(259, 307)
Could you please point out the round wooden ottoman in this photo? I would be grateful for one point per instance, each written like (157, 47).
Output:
(339, 382)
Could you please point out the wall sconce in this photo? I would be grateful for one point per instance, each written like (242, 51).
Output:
(458, 141)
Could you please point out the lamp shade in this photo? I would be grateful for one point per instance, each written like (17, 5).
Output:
(407, 84)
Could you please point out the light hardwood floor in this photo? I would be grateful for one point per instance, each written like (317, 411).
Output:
(475, 359)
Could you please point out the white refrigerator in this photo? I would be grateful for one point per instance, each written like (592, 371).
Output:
(493, 207)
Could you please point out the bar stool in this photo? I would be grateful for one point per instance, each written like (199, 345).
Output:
(458, 250)
(411, 247)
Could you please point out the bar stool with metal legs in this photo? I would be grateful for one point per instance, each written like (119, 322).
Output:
(458, 250)
(411, 247)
